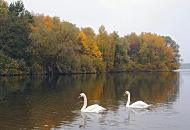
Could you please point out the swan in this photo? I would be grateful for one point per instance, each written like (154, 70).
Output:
(137, 104)
(93, 108)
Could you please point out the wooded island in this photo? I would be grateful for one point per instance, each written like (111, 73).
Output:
(37, 44)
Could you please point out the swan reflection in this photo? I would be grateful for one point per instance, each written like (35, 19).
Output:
(85, 117)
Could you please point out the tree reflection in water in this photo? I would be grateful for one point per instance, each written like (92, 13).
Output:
(48, 102)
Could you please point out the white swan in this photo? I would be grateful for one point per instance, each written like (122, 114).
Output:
(137, 104)
(93, 108)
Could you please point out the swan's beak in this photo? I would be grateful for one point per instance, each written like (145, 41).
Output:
(79, 96)
(124, 94)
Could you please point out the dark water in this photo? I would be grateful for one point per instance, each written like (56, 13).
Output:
(42, 102)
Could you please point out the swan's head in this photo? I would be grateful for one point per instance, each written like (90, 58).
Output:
(126, 93)
(82, 95)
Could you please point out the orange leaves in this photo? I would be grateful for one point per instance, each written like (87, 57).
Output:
(95, 51)
(34, 29)
(155, 39)
(146, 51)
(155, 51)
(89, 45)
(42, 22)
(47, 22)
(84, 43)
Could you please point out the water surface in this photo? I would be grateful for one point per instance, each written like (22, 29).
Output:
(41, 102)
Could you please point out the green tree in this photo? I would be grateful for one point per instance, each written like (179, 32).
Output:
(15, 31)
(106, 43)
(52, 42)
(176, 55)
(121, 58)
(134, 42)
(9, 66)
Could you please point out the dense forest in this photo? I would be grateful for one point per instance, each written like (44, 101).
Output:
(37, 44)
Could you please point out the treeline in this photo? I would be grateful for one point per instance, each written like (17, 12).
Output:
(38, 44)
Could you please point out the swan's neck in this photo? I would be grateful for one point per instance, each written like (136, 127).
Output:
(128, 100)
(85, 103)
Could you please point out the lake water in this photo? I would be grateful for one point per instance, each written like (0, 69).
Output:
(42, 102)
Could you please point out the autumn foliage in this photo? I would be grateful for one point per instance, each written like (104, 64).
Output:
(47, 45)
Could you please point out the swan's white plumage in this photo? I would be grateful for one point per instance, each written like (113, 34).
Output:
(137, 104)
(93, 108)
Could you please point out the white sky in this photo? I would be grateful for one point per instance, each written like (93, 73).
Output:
(165, 17)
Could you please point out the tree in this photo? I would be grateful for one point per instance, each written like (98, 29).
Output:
(15, 31)
(176, 56)
(90, 50)
(106, 44)
(9, 66)
(155, 55)
(44, 44)
(52, 42)
(134, 45)
(3, 8)
(121, 58)
(84, 43)
(88, 43)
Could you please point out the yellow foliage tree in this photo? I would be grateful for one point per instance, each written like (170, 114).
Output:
(48, 22)
(83, 39)
(89, 45)
(95, 51)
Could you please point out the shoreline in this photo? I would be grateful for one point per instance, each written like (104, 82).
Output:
(69, 74)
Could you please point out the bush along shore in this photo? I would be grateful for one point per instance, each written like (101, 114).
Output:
(38, 44)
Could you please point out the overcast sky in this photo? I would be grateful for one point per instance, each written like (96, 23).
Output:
(165, 17)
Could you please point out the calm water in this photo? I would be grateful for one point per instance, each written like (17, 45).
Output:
(42, 102)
